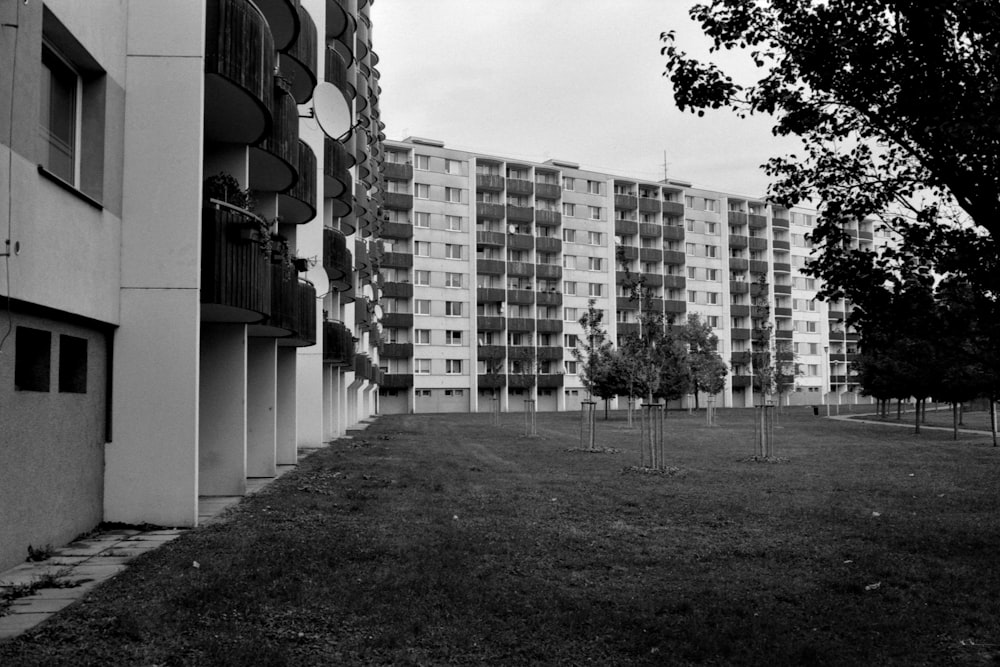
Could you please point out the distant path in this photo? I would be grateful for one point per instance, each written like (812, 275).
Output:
(859, 419)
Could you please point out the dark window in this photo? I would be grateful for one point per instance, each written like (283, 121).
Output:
(72, 364)
(32, 359)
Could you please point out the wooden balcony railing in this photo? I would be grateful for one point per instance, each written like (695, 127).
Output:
(298, 205)
(235, 272)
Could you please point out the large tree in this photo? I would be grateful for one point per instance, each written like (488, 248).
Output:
(897, 103)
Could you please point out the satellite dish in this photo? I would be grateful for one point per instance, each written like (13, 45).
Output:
(368, 292)
(331, 110)
(378, 312)
(512, 229)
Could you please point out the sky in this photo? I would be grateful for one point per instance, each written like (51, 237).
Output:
(574, 80)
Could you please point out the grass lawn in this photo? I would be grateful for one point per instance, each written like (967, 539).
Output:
(441, 539)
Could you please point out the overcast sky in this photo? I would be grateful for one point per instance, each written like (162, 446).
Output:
(577, 80)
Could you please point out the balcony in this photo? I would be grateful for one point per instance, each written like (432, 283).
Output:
(739, 287)
(549, 326)
(738, 264)
(782, 267)
(488, 238)
(521, 324)
(550, 353)
(757, 221)
(517, 186)
(783, 334)
(544, 218)
(742, 381)
(673, 233)
(779, 223)
(626, 202)
(490, 294)
(782, 312)
(650, 255)
(396, 350)
(549, 380)
(521, 296)
(547, 191)
(866, 236)
(491, 352)
(523, 269)
(397, 260)
(654, 279)
(298, 61)
(647, 205)
(781, 245)
(396, 381)
(838, 356)
(624, 302)
(338, 344)
(548, 244)
(627, 252)
(520, 241)
(757, 289)
(239, 67)
(297, 206)
(235, 272)
(520, 213)
(673, 208)
(548, 271)
(337, 74)
(650, 230)
(337, 259)
(490, 266)
(293, 310)
(491, 380)
(521, 352)
(758, 243)
(398, 201)
(397, 290)
(336, 177)
(674, 282)
(485, 209)
(397, 171)
(489, 182)
(627, 329)
(756, 266)
(552, 298)
(738, 241)
(782, 289)
(674, 306)
(737, 218)
(838, 315)
(626, 227)
(489, 323)
(397, 230)
(397, 320)
(737, 310)
(673, 257)
(739, 333)
(273, 160)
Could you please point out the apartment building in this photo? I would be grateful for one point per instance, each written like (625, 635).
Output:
(491, 261)
(163, 335)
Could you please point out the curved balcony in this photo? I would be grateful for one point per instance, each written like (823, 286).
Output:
(673, 208)
(549, 326)
(239, 72)
(235, 272)
(283, 19)
(285, 316)
(757, 243)
(337, 74)
(338, 18)
(647, 205)
(757, 221)
(673, 233)
(488, 182)
(549, 298)
(337, 259)
(520, 241)
(626, 202)
(520, 213)
(363, 37)
(487, 238)
(547, 191)
(548, 244)
(544, 218)
(517, 186)
(338, 344)
(273, 159)
(298, 61)
(548, 271)
(297, 205)
(336, 177)
(756, 266)
(304, 329)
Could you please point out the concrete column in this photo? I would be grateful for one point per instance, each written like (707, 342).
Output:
(262, 395)
(223, 407)
(288, 418)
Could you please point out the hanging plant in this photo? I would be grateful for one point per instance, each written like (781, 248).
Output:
(224, 187)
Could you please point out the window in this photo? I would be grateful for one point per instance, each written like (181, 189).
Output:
(452, 337)
(569, 261)
(452, 251)
(595, 212)
(422, 220)
(711, 251)
(712, 298)
(453, 195)
(453, 366)
(424, 393)
(569, 315)
(570, 368)
(396, 157)
(595, 238)
(422, 306)
(32, 359)
(692, 296)
(422, 336)
(421, 248)
(569, 287)
(422, 277)
(595, 263)
(569, 209)
(422, 191)
(594, 187)
(453, 223)
(711, 228)
(713, 321)
(569, 340)
(422, 367)
(569, 235)
(453, 280)
(596, 289)
(452, 167)
(453, 308)
(422, 162)
(692, 273)
(568, 184)
(59, 120)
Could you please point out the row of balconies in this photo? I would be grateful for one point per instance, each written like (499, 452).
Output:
(517, 186)
(498, 267)
(517, 324)
(516, 381)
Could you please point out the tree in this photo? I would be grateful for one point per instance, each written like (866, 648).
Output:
(707, 370)
(863, 84)
(593, 349)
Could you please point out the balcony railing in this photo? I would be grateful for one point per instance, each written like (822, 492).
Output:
(239, 69)
(397, 171)
(298, 61)
(739, 333)
(653, 279)
(647, 205)
(397, 260)
(673, 257)
(338, 344)
(489, 182)
(490, 210)
(548, 271)
(520, 269)
(626, 227)
(297, 206)
(397, 290)
(738, 310)
(675, 282)
(490, 266)
(548, 244)
(781, 245)
(520, 241)
(757, 221)
(397, 320)
(673, 233)
(547, 191)
(650, 230)
(398, 201)
(520, 324)
(739, 287)
(520, 296)
(782, 267)
(520, 213)
(550, 353)
(549, 326)
(627, 252)
(758, 243)
(235, 272)
(737, 218)
(396, 350)
(396, 381)
(397, 230)
(490, 238)
(673, 208)
(674, 306)
(491, 352)
(626, 202)
(490, 323)
(738, 241)
(517, 186)
(490, 294)
(654, 255)
(552, 298)
(779, 223)
(336, 177)
(546, 218)
(273, 160)
(738, 264)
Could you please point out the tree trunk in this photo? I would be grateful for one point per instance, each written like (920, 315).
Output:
(993, 420)
(899, 409)
(606, 409)
(954, 421)
(916, 412)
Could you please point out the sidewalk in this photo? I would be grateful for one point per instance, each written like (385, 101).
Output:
(859, 418)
